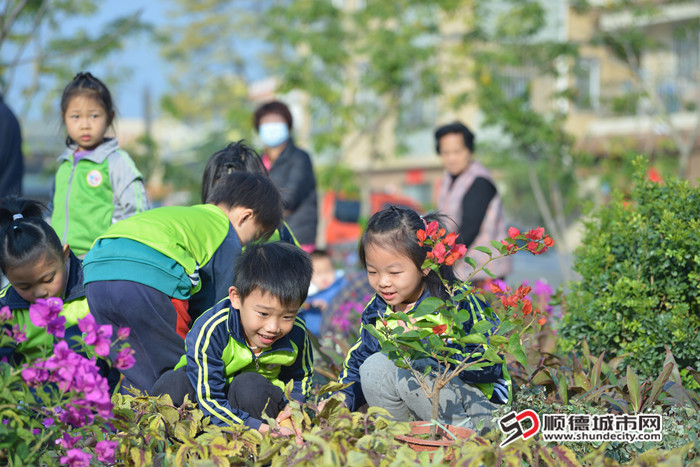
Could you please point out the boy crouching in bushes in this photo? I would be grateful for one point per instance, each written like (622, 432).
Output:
(243, 351)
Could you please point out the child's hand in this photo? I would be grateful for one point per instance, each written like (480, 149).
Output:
(285, 421)
(320, 304)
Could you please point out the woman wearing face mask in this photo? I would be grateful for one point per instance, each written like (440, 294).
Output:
(290, 169)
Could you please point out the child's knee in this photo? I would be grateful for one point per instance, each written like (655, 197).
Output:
(255, 394)
(176, 384)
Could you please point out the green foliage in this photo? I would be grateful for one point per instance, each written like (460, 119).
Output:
(639, 265)
(32, 34)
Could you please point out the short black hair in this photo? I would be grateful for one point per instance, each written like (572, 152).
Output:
(273, 107)
(24, 235)
(236, 157)
(319, 254)
(280, 269)
(455, 127)
(253, 191)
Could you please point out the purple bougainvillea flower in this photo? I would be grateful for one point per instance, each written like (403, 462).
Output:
(76, 458)
(19, 335)
(57, 327)
(125, 359)
(69, 441)
(5, 314)
(123, 333)
(105, 451)
(41, 312)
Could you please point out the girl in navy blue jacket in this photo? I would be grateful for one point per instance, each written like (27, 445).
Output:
(393, 258)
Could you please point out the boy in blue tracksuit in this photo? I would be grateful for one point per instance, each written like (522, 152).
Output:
(242, 352)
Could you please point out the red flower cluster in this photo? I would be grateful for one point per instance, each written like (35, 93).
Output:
(446, 250)
(440, 329)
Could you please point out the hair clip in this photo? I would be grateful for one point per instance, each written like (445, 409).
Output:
(17, 216)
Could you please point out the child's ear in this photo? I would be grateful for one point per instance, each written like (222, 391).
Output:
(244, 215)
(235, 297)
(66, 252)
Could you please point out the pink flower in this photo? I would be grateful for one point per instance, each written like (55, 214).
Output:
(125, 359)
(87, 324)
(69, 441)
(532, 246)
(35, 376)
(98, 336)
(513, 232)
(19, 335)
(439, 252)
(41, 312)
(432, 230)
(57, 327)
(105, 451)
(76, 458)
(5, 314)
(535, 234)
(123, 334)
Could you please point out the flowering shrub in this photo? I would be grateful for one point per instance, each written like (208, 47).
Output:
(57, 408)
(420, 337)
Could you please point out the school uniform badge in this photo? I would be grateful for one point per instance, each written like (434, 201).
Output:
(94, 178)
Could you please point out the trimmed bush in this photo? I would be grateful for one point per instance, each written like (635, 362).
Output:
(640, 277)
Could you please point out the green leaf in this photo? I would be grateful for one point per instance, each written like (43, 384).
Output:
(634, 389)
(427, 306)
(497, 339)
(483, 249)
(473, 339)
(499, 246)
(488, 271)
(482, 326)
(515, 348)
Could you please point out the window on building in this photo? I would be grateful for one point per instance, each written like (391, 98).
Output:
(686, 47)
(587, 82)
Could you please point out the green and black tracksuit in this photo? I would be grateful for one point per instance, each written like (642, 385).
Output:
(217, 353)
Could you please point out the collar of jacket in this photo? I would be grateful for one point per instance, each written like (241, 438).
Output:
(74, 286)
(98, 155)
(235, 330)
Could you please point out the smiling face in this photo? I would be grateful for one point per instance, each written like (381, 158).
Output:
(455, 155)
(394, 276)
(264, 319)
(86, 121)
(46, 277)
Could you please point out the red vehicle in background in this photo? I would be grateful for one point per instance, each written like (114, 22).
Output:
(341, 217)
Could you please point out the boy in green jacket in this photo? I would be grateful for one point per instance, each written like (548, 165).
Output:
(156, 270)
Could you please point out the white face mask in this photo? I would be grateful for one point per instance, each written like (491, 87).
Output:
(273, 134)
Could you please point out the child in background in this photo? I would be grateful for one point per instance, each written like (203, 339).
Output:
(97, 184)
(242, 352)
(38, 267)
(393, 258)
(159, 270)
(326, 282)
(237, 157)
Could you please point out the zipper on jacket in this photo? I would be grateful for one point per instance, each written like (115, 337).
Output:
(70, 183)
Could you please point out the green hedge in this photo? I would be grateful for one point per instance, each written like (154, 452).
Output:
(640, 277)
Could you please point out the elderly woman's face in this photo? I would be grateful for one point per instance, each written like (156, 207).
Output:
(455, 156)
(272, 118)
